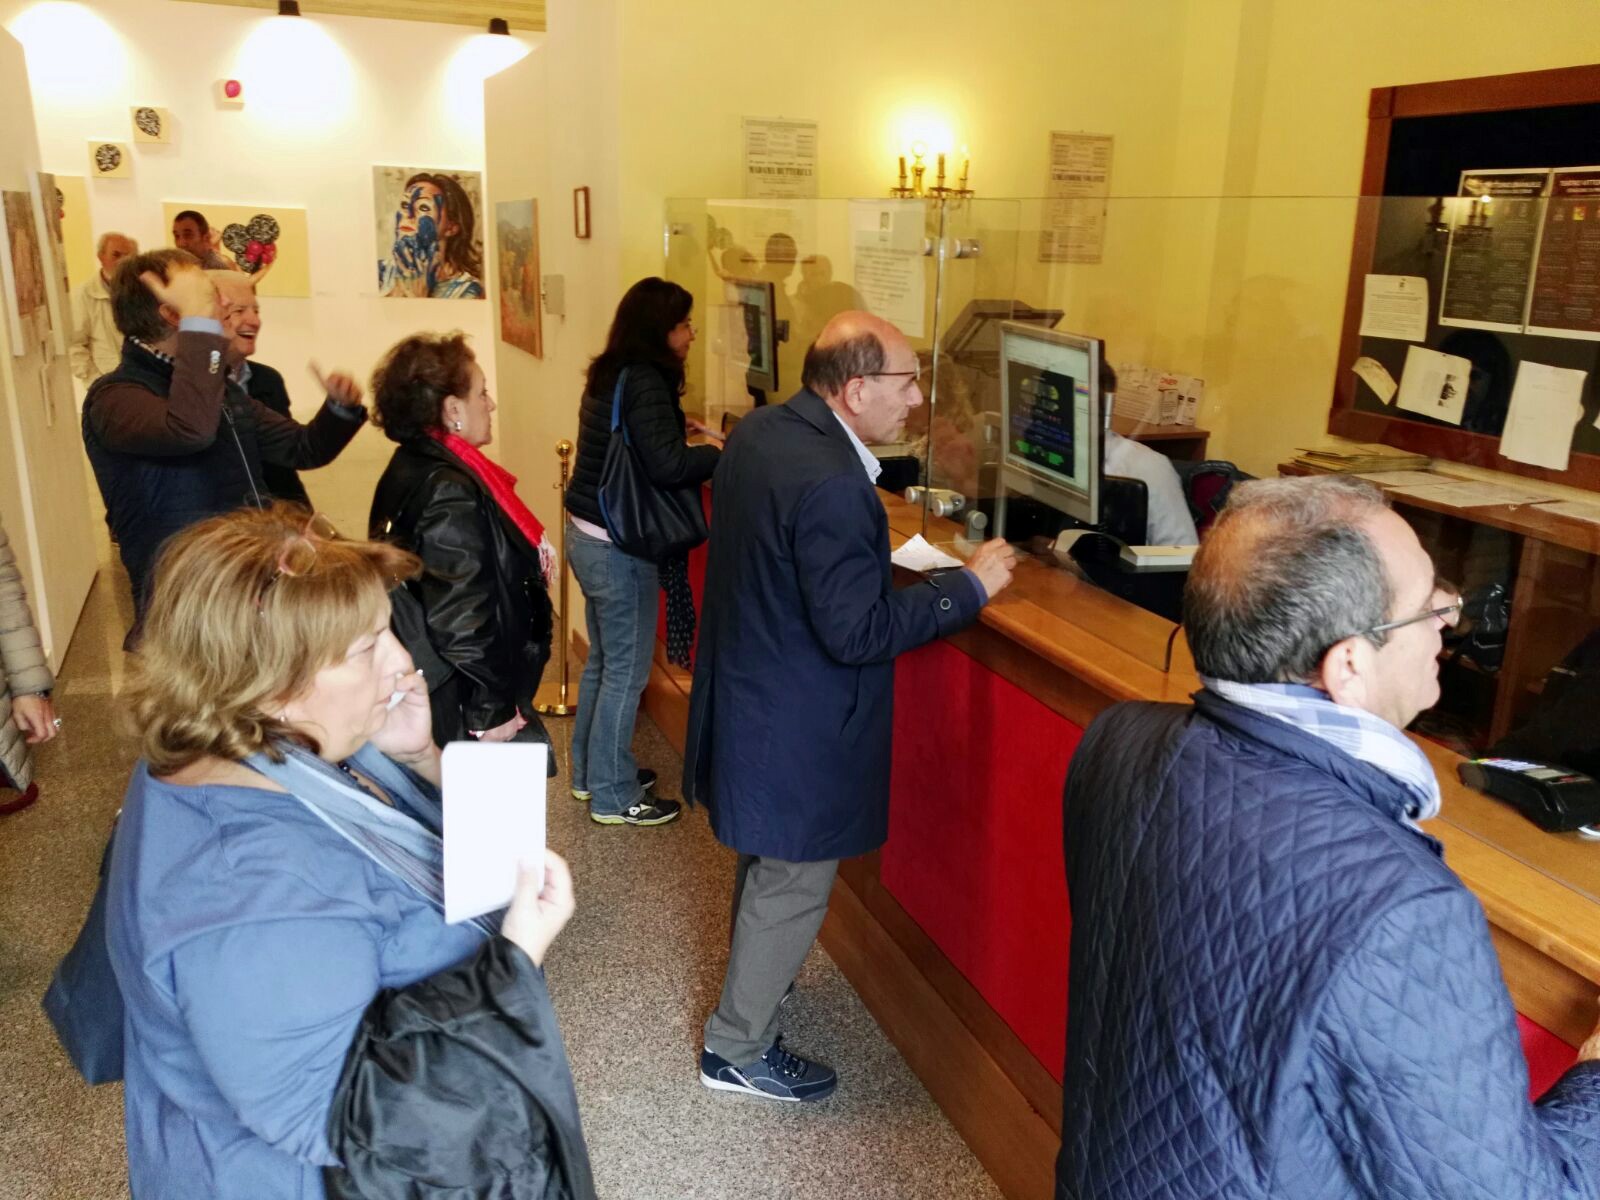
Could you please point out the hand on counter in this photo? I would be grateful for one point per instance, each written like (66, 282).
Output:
(1590, 1050)
(993, 563)
(704, 430)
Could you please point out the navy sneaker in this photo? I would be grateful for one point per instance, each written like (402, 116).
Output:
(776, 1075)
(647, 780)
(643, 812)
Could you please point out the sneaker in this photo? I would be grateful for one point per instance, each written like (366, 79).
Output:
(645, 812)
(776, 1075)
(647, 780)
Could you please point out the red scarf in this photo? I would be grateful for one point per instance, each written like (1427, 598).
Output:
(502, 485)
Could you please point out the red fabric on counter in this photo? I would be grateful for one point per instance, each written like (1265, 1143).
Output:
(1548, 1056)
(974, 851)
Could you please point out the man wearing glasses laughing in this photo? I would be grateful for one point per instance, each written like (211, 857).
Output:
(1277, 985)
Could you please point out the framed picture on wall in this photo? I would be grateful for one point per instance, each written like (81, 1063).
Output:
(23, 267)
(580, 212)
(517, 240)
(50, 204)
(429, 233)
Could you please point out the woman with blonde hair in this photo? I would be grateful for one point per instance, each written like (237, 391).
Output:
(300, 1021)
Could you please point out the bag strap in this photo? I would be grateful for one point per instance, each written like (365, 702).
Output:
(616, 407)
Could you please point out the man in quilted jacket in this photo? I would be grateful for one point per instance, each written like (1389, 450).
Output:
(1278, 988)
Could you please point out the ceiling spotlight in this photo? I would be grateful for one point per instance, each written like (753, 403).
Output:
(288, 8)
(499, 25)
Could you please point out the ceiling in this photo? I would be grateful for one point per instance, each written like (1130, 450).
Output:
(525, 16)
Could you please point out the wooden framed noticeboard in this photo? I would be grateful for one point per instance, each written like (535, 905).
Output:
(1472, 311)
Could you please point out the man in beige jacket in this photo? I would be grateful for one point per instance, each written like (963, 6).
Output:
(96, 344)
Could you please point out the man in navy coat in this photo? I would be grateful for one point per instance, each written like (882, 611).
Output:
(791, 714)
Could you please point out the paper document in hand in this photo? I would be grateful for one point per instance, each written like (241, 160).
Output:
(494, 816)
(917, 555)
(1546, 402)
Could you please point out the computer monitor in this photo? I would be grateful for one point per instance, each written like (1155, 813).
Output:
(757, 301)
(1050, 417)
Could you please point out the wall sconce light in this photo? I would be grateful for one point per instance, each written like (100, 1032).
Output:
(914, 187)
(288, 8)
(499, 25)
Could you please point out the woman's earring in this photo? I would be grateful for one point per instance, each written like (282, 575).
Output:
(456, 425)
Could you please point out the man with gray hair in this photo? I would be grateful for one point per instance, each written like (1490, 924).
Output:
(1277, 986)
(96, 347)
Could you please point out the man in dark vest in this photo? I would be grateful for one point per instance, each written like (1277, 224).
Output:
(171, 443)
(1278, 989)
(791, 714)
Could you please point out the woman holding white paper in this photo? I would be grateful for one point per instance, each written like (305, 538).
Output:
(299, 1014)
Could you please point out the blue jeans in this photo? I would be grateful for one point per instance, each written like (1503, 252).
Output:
(620, 596)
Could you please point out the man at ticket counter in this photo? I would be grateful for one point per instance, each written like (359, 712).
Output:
(791, 714)
(1277, 987)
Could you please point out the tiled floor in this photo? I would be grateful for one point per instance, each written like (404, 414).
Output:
(633, 977)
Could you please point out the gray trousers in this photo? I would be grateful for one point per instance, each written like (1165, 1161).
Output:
(778, 908)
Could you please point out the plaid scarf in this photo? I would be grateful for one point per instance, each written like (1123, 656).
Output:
(1359, 734)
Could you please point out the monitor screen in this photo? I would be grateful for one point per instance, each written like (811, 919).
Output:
(1050, 413)
(756, 303)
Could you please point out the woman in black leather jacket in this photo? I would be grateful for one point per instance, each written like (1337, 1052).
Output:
(479, 619)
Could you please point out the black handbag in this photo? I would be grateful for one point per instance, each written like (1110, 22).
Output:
(84, 1003)
(644, 520)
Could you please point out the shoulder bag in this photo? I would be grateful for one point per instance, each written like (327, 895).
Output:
(644, 520)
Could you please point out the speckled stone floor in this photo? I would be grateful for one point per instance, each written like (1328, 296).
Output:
(633, 977)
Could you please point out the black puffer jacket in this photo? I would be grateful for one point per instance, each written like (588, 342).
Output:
(656, 428)
(485, 611)
(483, 1029)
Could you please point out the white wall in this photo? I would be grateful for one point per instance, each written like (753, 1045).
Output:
(327, 98)
(43, 493)
(551, 127)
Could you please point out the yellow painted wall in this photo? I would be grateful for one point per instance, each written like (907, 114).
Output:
(1239, 128)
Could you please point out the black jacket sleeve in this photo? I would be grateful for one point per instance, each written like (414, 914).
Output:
(458, 599)
(655, 427)
(286, 442)
(483, 1029)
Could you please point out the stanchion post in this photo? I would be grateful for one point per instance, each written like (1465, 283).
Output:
(563, 701)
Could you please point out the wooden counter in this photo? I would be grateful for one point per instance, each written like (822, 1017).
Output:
(1060, 643)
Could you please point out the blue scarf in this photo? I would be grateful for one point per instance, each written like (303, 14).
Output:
(404, 839)
(1358, 733)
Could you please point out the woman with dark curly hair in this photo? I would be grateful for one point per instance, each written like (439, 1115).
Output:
(481, 620)
(436, 253)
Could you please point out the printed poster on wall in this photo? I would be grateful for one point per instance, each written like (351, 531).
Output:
(1566, 284)
(1494, 235)
(1076, 187)
(889, 270)
(780, 158)
(24, 272)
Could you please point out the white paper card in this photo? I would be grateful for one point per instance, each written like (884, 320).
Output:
(494, 816)
(917, 555)
(1376, 376)
(1395, 306)
(1435, 384)
(1546, 403)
